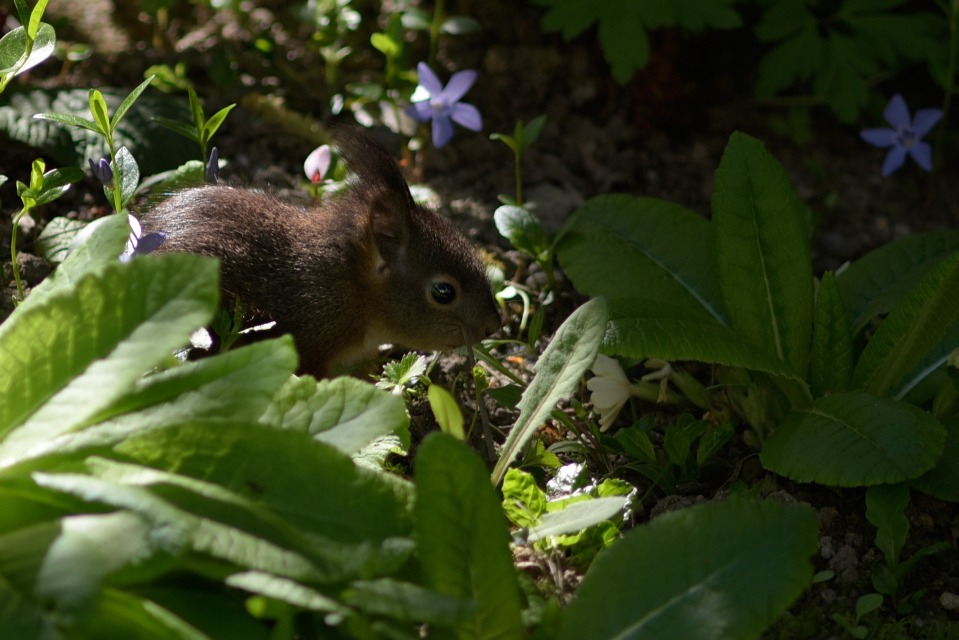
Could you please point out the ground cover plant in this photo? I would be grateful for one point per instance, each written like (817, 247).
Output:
(703, 417)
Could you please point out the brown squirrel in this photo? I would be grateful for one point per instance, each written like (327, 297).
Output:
(366, 268)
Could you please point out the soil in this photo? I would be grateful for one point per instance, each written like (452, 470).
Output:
(661, 135)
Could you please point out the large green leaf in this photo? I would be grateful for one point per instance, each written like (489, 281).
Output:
(462, 537)
(854, 439)
(719, 571)
(765, 269)
(343, 412)
(832, 351)
(914, 328)
(316, 487)
(624, 247)
(874, 284)
(640, 328)
(67, 358)
(558, 372)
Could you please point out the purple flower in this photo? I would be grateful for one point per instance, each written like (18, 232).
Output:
(137, 244)
(431, 101)
(102, 170)
(317, 163)
(905, 136)
(213, 166)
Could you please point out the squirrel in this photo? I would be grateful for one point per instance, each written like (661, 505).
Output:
(368, 267)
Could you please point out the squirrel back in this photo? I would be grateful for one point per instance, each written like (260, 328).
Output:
(367, 267)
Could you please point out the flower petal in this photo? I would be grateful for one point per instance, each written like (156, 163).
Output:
(921, 152)
(467, 116)
(442, 130)
(925, 120)
(881, 138)
(897, 112)
(607, 367)
(317, 163)
(420, 111)
(150, 243)
(894, 159)
(428, 79)
(458, 85)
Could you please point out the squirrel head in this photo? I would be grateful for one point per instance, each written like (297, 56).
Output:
(429, 286)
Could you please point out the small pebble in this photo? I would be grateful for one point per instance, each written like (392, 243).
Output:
(949, 601)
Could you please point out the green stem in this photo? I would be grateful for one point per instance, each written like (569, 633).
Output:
(518, 156)
(438, 13)
(13, 254)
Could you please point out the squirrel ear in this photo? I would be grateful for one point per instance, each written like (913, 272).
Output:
(389, 225)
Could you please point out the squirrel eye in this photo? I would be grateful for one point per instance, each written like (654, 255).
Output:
(443, 292)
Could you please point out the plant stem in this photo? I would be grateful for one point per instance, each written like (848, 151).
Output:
(518, 156)
(438, 13)
(13, 254)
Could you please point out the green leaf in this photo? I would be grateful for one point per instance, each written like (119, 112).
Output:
(99, 111)
(522, 229)
(832, 350)
(128, 102)
(285, 590)
(446, 411)
(942, 481)
(460, 26)
(85, 346)
(886, 510)
(36, 16)
(343, 412)
(13, 47)
(558, 372)
(462, 537)
(70, 120)
(196, 109)
(853, 440)
(213, 124)
(576, 517)
(385, 45)
(666, 251)
(407, 602)
(181, 128)
(524, 503)
(338, 500)
(914, 328)
(532, 129)
(53, 243)
(722, 571)
(764, 264)
(129, 172)
(68, 146)
(877, 282)
(643, 329)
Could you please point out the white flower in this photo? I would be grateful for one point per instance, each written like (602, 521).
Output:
(609, 389)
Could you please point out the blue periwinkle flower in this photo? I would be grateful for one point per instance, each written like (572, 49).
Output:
(102, 170)
(905, 137)
(432, 101)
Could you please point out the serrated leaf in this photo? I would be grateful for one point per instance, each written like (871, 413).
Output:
(343, 412)
(874, 284)
(86, 346)
(914, 328)
(572, 350)
(832, 351)
(285, 590)
(853, 440)
(462, 537)
(723, 572)
(666, 250)
(764, 264)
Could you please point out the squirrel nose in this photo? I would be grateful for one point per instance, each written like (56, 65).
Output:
(493, 323)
